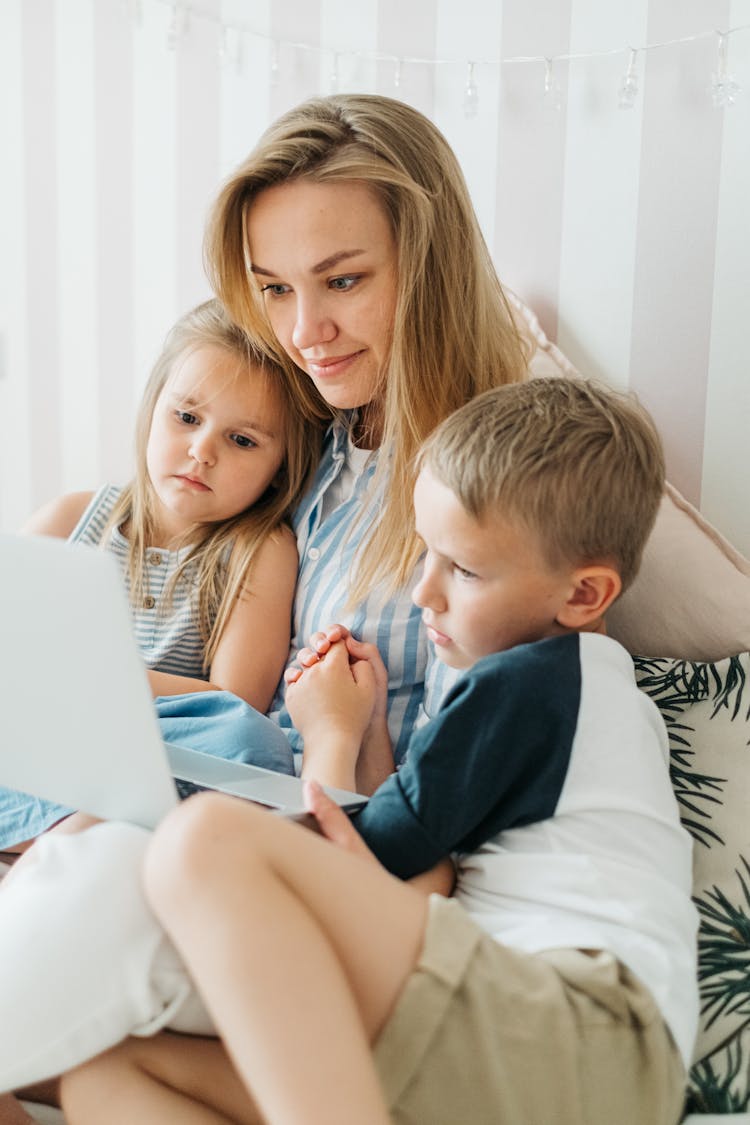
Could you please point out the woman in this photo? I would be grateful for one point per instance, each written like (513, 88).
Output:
(348, 243)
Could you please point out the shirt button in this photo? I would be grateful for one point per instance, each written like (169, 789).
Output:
(338, 456)
(155, 559)
(149, 602)
(314, 554)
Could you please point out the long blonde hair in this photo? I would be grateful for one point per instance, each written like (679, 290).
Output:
(453, 334)
(222, 553)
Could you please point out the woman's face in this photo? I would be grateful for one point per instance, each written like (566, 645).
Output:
(324, 258)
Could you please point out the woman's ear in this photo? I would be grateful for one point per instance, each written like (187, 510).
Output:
(593, 591)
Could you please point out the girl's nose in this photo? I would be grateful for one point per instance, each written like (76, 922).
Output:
(203, 448)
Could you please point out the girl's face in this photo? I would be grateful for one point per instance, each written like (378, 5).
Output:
(216, 440)
(324, 257)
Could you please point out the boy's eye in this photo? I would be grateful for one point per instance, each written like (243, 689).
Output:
(463, 572)
(186, 417)
(243, 441)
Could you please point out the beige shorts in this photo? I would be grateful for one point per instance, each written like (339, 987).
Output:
(487, 1035)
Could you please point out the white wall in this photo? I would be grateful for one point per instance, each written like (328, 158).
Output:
(626, 230)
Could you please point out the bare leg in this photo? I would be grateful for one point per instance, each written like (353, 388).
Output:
(12, 1112)
(300, 950)
(152, 1081)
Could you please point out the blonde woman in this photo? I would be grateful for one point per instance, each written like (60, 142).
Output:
(200, 533)
(347, 241)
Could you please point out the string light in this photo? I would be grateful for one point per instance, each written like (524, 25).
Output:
(133, 9)
(224, 52)
(178, 25)
(333, 84)
(275, 63)
(230, 48)
(628, 91)
(724, 87)
(471, 94)
(552, 96)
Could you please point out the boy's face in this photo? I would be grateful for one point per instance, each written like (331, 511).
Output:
(485, 586)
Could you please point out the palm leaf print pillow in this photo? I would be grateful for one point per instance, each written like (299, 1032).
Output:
(706, 708)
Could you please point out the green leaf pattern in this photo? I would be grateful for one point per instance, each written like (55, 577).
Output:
(706, 708)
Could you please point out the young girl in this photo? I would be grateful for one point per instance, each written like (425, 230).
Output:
(209, 563)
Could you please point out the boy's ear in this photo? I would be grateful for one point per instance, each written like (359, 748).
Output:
(593, 591)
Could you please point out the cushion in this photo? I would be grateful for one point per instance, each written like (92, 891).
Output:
(692, 596)
(706, 707)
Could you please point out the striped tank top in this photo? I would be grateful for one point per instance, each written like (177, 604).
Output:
(166, 630)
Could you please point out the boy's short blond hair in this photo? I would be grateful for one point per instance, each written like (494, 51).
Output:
(579, 465)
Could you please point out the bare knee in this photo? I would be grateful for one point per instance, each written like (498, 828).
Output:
(83, 1090)
(195, 843)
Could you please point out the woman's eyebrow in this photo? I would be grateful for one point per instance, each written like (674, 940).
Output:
(319, 267)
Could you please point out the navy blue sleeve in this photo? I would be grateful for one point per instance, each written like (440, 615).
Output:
(494, 757)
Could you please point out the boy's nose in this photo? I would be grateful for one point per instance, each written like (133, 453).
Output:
(427, 594)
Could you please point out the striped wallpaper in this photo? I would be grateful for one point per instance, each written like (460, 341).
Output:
(626, 230)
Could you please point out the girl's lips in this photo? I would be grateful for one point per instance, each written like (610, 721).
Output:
(325, 368)
(193, 482)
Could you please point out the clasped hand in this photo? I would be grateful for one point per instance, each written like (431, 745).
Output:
(337, 696)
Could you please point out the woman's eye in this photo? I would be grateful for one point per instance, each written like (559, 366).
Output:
(275, 289)
(186, 417)
(243, 441)
(343, 283)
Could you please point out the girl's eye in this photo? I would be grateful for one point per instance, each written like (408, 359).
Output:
(243, 441)
(275, 289)
(343, 283)
(186, 417)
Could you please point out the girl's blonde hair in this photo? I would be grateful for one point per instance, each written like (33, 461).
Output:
(453, 333)
(222, 553)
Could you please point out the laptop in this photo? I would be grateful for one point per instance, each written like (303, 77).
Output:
(77, 720)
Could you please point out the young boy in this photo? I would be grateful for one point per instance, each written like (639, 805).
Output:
(559, 983)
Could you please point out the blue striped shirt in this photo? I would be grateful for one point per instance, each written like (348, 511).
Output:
(327, 541)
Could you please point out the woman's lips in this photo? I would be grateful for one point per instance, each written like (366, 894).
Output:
(326, 368)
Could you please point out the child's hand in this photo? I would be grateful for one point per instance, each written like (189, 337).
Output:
(362, 650)
(331, 705)
(317, 646)
(334, 694)
(333, 822)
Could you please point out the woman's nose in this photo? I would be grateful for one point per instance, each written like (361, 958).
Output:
(312, 325)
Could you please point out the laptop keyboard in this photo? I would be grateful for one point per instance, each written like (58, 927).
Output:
(187, 788)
